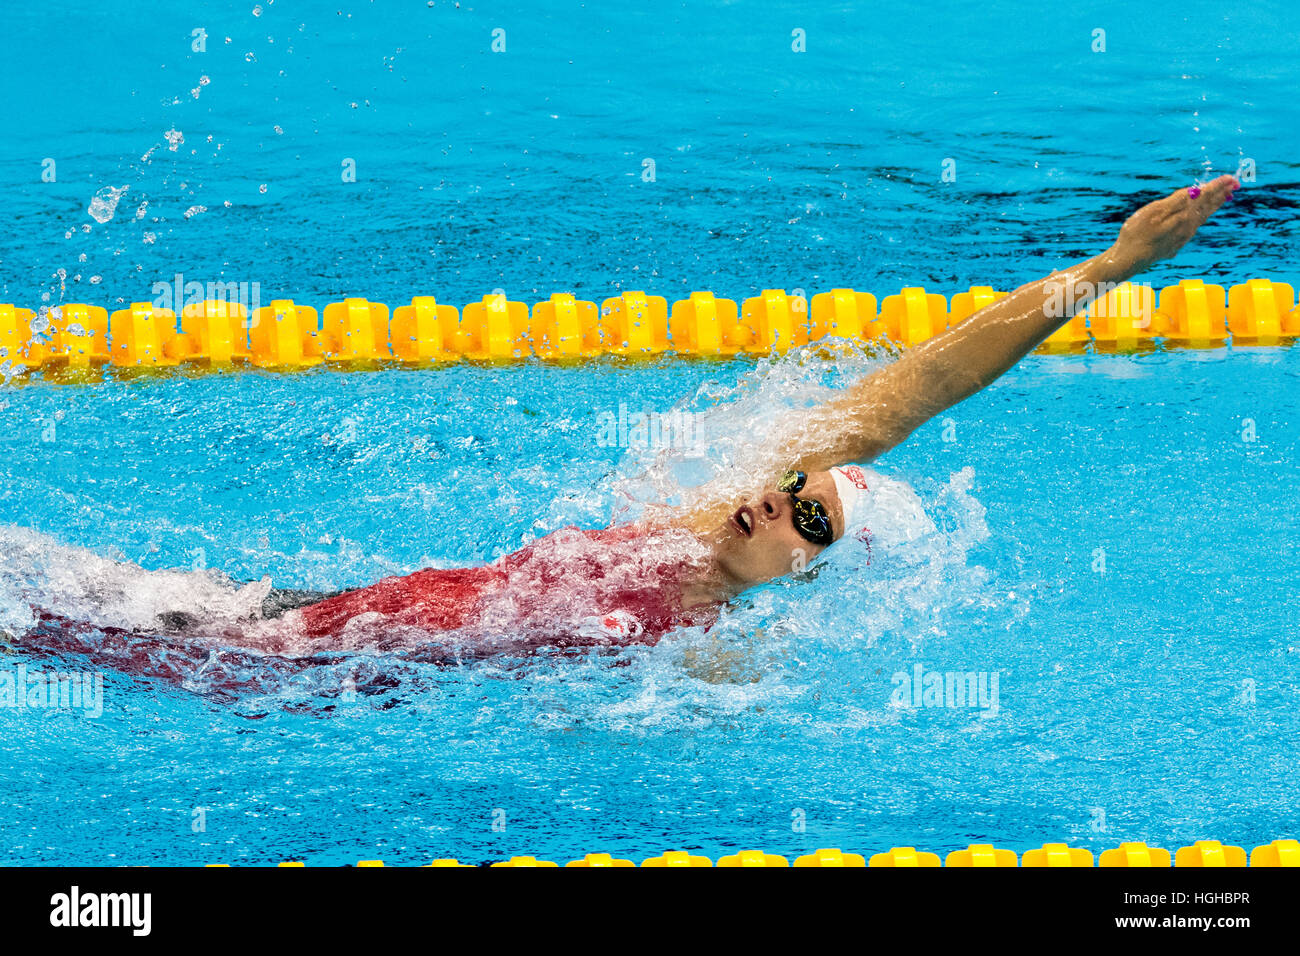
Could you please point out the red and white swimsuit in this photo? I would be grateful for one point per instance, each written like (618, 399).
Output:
(622, 585)
(619, 585)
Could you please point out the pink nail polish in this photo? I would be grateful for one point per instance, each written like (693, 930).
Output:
(1228, 198)
(1193, 191)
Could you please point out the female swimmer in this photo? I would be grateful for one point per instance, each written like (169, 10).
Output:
(635, 582)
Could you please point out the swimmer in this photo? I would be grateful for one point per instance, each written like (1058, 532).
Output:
(635, 582)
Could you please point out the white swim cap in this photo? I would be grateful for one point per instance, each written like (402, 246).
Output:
(851, 485)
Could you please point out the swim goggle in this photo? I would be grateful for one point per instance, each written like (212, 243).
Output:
(811, 519)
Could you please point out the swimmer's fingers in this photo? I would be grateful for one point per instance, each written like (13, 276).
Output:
(1159, 229)
(1185, 210)
(1209, 197)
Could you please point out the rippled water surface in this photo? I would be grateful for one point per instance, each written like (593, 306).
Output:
(1113, 538)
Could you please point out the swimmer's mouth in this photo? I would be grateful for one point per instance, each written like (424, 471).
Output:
(743, 521)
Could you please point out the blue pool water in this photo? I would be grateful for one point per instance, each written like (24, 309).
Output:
(1113, 537)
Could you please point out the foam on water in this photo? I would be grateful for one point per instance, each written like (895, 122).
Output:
(37, 572)
(740, 429)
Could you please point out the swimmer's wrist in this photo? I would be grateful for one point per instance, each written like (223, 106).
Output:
(1116, 265)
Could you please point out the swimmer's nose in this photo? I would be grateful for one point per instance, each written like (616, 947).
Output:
(773, 504)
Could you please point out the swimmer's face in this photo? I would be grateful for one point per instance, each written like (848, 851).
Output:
(760, 542)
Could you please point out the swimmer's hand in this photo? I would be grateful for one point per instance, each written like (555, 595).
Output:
(1159, 229)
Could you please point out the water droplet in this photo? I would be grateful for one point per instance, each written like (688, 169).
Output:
(104, 204)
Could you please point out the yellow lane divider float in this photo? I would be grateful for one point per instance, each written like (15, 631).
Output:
(358, 333)
(1203, 853)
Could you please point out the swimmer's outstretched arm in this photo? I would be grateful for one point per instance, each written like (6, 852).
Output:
(879, 412)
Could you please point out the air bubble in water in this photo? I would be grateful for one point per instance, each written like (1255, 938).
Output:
(174, 138)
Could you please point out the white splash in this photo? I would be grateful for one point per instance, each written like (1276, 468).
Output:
(38, 572)
(104, 204)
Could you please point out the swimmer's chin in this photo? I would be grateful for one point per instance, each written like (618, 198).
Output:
(734, 561)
